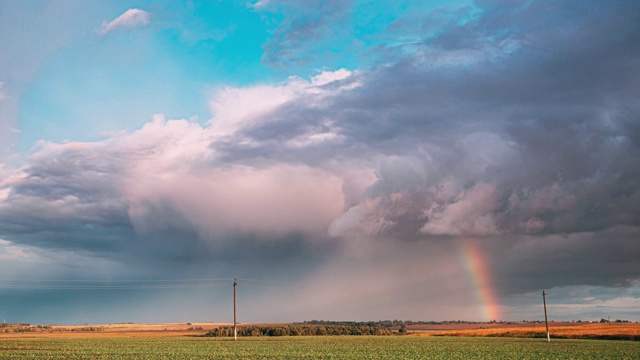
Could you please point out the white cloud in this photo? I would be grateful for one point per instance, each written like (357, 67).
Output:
(315, 138)
(169, 164)
(234, 108)
(261, 4)
(130, 18)
(237, 108)
(272, 200)
(327, 77)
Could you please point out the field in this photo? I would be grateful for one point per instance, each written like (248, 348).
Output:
(81, 346)
(183, 341)
(612, 331)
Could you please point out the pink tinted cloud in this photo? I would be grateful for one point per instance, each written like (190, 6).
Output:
(271, 202)
(471, 213)
(171, 163)
(130, 18)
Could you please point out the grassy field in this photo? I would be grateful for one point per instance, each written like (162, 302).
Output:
(330, 347)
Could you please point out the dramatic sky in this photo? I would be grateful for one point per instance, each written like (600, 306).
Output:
(345, 160)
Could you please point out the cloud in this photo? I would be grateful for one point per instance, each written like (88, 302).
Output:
(470, 213)
(502, 146)
(130, 18)
(238, 108)
(523, 142)
(112, 187)
(11, 252)
(305, 25)
(260, 4)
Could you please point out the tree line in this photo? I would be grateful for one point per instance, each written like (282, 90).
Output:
(386, 323)
(298, 330)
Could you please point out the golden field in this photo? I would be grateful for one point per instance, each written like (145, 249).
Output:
(622, 331)
(627, 331)
(109, 330)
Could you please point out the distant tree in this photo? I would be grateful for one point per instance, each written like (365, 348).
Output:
(403, 329)
(321, 330)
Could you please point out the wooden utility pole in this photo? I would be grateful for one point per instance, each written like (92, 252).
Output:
(235, 331)
(546, 322)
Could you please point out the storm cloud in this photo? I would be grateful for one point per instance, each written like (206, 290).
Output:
(516, 128)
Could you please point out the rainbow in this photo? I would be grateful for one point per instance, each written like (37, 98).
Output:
(475, 265)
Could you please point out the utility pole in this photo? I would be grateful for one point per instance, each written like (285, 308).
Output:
(235, 331)
(546, 322)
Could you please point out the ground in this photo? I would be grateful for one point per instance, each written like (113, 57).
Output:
(625, 331)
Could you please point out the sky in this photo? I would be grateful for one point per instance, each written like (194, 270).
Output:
(342, 159)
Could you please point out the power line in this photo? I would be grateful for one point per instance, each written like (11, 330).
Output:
(274, 282)
(106, 287)
(112, 280)
(133, 284)
(108, 284)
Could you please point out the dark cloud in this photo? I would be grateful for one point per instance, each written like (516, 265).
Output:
(517, 122)
(67, 200)
(605, 258)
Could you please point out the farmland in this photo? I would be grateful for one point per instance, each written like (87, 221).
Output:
(84, 346)
(454, 341)
(611, 331)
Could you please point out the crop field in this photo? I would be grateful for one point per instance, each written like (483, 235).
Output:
(325, 347)
(621, 331)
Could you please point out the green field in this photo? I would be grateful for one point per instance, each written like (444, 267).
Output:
(330, 347)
